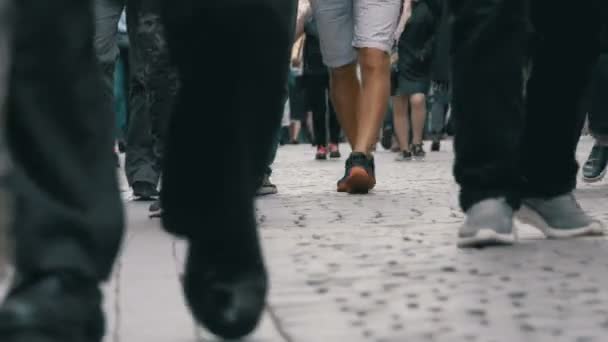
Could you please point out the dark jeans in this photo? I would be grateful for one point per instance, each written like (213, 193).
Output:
(153, 81)
(503, 145)
(324, 116)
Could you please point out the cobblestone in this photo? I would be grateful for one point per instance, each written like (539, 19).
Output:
(381, 267)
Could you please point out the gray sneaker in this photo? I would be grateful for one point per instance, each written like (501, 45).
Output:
(488, 223)
(559, 217)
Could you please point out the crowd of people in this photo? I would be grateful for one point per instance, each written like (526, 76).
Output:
(187, 77)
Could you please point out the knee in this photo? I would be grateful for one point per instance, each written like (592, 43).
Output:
(374, 60)
(418, 100)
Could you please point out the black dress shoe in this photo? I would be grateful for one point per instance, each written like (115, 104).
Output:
(594, 169)
(228, 302)
(56, 308)
(144, 191)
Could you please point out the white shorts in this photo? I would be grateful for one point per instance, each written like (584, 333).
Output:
(346, 25)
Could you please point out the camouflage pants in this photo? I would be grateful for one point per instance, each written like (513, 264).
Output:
(153, 82)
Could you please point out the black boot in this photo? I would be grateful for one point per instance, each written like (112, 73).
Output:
(53, 308)
(226, 301)
(594, 169)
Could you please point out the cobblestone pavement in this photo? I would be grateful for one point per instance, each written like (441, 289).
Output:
(381, 267)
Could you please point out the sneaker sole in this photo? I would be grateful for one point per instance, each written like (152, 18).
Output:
(595, 179)
(488, 238)
(531, 217)
(358, 182)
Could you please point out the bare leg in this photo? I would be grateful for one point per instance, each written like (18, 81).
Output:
(375, 90)
(418, 102)
(401, 119)
(345, 91)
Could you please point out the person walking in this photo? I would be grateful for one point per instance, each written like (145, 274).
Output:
(68, 218)
(594, 169)
(316, 83)
(415, 51)
(507, 163)
(358, 34)
(153, 85)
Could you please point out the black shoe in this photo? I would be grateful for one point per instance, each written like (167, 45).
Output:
(55, 308)
(436, 146)
(122, 146)
(144, 191)
(594, 169)
(155, 209)
(225, 296)
(418, 152)
(359, 176)
(387, 138)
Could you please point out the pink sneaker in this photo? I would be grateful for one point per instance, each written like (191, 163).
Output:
(321, 153)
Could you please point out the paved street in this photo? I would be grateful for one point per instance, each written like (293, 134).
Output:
(382, 267)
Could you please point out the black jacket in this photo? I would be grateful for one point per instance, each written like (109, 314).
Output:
(418, 39)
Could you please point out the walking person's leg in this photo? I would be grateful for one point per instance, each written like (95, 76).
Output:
(595, 167)
(418, 103)
(401, 125)
(439, 109)
(315, 93)
(141, 163)
(67, 215)
(225, 281)
(334, 127)
(489, 50)
(549, 165)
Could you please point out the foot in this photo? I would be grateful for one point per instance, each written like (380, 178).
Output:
(488, 223)
(418, 152)
(155, 209)
(267, 188)
(594, 169)
(228, 302)
(144, 191)
(54, 308)
(404, 156)
(436, 146)
(359, 177)
(321, 153)
(334, 151)
(387, 138)
(559, 217)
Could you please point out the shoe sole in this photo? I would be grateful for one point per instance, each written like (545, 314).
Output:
(335, 156)
(595, 179)
(320, 157)
(359, 181)
(531, 217)
(488, 238)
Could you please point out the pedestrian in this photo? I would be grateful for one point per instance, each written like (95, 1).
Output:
(326, 128)
(68, 219)
(416, 46)
(358, 34)
(507, 162)
(594, 169)
(440, 79)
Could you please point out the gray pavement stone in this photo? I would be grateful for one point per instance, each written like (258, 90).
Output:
(381, 267)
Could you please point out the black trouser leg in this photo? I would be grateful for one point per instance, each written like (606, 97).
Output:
(557, 82)
(68, 211)
(217, 95)
(489, 54)
(316, 94)
(598, 118)
(334, 124)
